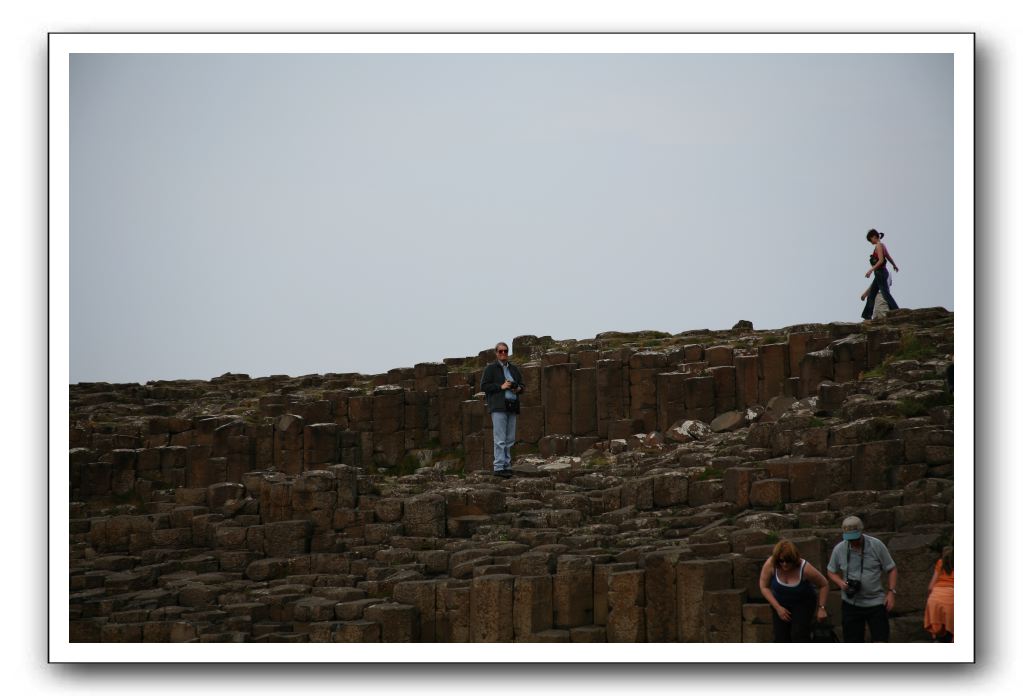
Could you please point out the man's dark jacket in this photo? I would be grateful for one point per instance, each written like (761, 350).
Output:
(493, 378)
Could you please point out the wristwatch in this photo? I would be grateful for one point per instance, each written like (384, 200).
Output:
(892, 590)
(820, 606)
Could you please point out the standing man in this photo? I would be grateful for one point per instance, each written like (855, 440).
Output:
(858, 564)
(502, 383)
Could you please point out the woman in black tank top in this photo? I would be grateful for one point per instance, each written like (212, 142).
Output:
(795, 590)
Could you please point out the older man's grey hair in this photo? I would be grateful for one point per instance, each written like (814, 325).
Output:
(852, 523)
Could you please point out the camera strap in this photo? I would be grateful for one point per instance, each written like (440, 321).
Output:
(848, 547)
(506, 369)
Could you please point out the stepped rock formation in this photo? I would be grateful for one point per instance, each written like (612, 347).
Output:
(654, 472)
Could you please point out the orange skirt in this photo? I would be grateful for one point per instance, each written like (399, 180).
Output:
(938, 613)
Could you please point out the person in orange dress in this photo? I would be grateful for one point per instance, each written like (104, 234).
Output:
(938, 613)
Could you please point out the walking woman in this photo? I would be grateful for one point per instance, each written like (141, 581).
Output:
(795, 590)
(879, 267)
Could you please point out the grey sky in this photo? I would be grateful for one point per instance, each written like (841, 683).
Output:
(320, 213)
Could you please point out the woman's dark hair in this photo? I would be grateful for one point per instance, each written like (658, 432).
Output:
(946, 559)
(872, 233)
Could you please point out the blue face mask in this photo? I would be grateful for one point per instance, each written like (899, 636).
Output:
(852, 536)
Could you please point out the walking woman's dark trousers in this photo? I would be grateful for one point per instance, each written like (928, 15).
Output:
(880, 284)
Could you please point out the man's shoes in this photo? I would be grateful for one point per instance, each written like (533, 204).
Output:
(504, 473)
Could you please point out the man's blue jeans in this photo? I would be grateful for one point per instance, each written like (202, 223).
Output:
(504, 438)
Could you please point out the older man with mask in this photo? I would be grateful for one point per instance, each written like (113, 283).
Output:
(860, 565)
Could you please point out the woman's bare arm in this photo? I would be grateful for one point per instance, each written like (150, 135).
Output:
(889, 257)
(822, 589)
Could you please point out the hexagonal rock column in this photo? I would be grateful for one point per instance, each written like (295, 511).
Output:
(289, 443)
(399, 623)
(626, 618)
(746, 381)
(643, 370)
(661, 596)
(573, 592)
(557, 398)
(492, 602)
(814, 368)
(425, 516)
(723, 616)
(533, 610)
(773, 369)
(671, 400)
(699, 398)
(421, 594)
(612, 401)
(584, 401)
(693, 581)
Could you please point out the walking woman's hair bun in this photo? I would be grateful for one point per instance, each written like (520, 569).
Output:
(872, 232)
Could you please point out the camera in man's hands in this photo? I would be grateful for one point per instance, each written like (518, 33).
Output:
(852, 587)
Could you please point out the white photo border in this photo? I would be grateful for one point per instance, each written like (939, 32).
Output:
(63, 45)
